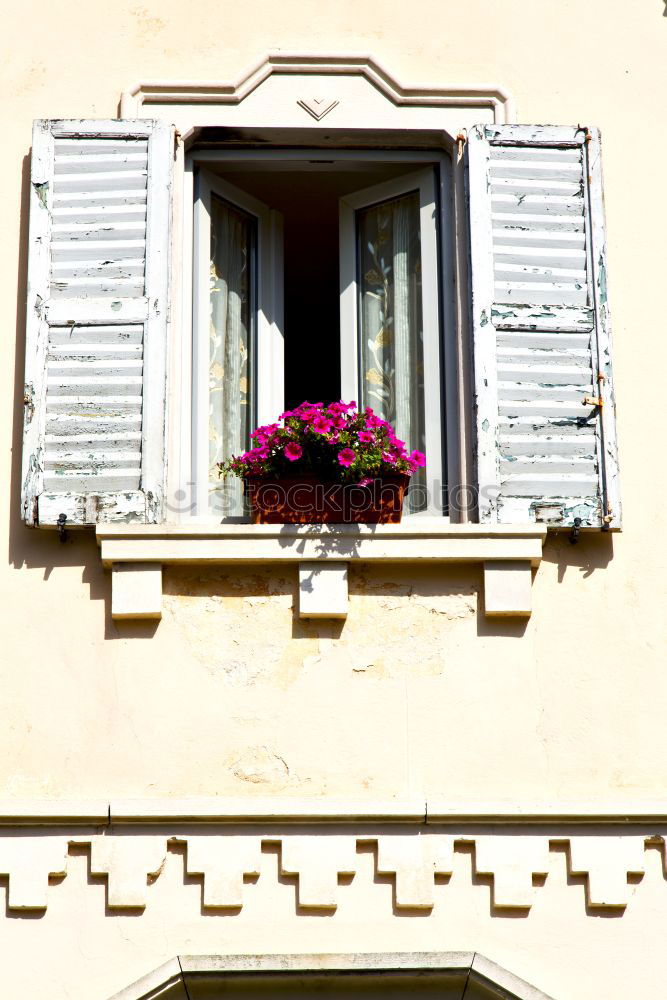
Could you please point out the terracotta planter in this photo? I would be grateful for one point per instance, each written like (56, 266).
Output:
(308, 500)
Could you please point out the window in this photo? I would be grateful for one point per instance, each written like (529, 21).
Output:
(270, 230)
(311, 282)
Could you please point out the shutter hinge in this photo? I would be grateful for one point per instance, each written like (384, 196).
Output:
(29, 403)
(595, 400)
(460, 143)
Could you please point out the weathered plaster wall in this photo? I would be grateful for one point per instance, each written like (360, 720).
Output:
(416, 693)
(572, 706)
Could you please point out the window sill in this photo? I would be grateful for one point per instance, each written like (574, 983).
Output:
(135, 553)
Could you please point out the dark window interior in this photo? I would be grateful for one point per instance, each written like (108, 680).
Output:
(307, 194)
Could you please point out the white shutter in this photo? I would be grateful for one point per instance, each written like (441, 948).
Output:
(97, 310)
(546, 451)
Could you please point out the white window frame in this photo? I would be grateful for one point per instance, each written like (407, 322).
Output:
(188, 383)
(424, 182)
(266, 329)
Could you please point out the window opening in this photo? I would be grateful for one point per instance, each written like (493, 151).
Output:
(386, 246)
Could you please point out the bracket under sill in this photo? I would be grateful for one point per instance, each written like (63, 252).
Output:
(136, 554)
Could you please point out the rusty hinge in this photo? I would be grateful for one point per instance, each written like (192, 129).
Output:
(29, 402)
(460, 142)
(593, 401)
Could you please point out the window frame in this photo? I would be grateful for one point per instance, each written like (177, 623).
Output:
(424, 182)
(264, 327)
(181, 503)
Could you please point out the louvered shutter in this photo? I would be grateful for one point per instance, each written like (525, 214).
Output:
(97, 309)
(546, 439)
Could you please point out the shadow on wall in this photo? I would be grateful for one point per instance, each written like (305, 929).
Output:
(27, 547)
(594, 550)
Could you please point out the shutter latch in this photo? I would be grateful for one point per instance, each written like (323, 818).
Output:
(62, 532)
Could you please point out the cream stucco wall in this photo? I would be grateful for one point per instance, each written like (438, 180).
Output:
(416, 694)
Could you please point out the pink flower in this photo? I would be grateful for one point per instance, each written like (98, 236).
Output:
(337, 408)
(322, 425)
(293, 451)
(417, 458)
(388, 458)
(346, 457)
(366, 437)
(340, 423)
(366, 481)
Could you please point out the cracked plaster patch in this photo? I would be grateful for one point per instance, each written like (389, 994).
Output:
(260, 765)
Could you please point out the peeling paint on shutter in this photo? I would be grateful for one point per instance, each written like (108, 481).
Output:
(545, 450)
(94, 445)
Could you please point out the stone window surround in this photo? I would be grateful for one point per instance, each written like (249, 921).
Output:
(136, 553)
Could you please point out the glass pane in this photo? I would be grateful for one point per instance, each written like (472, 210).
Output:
(390, 318)
(229, 354)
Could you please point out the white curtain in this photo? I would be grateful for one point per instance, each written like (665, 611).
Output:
(228, 357)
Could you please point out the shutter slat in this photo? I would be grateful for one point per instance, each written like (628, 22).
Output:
(108, 230)
(111, 180)
(99, 199)
(100, 249)
(76, 461)
(113, 481)
(97, 315)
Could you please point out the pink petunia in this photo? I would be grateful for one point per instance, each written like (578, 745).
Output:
(322, 425)
(337, 409)
(293, 451)
(366, 437)
(417, 458)
(388, 458)
(346, 457)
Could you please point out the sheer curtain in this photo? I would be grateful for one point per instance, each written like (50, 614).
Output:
(229, 350)
(392, 354)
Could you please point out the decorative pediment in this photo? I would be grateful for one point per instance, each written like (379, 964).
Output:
(347, 90)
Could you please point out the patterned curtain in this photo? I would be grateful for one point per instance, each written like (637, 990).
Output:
(392, 351)
(228, 358)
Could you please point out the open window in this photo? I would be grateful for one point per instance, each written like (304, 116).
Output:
(315, 278)
(352, 295)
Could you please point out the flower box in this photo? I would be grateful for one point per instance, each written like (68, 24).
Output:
(332, 464)
(304, 499)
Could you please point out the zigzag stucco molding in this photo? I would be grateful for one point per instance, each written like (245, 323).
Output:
(223, 856)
